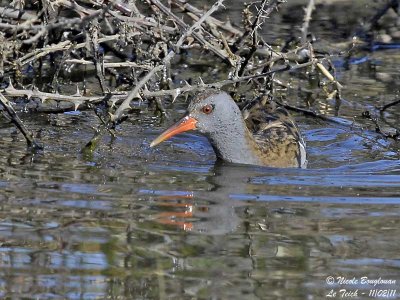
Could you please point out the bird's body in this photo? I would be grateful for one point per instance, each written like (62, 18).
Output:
(262, 134)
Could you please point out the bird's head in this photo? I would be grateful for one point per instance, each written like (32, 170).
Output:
(210, 112)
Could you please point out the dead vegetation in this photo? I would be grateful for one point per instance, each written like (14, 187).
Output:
(131, 48)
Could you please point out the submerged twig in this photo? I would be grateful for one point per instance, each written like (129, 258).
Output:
(18, 123)
(386, 106)
(395, 135)
(378, 15)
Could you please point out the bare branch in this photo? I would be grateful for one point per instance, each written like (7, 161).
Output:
(306, 22)
(18, 123)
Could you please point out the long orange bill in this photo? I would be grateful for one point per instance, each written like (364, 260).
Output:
(185, 124)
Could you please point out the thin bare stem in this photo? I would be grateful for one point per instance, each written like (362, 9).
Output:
(306, 22)
(18, 123)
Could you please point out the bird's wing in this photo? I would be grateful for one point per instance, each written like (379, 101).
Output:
(275, 133)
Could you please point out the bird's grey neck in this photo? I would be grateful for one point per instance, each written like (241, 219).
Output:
(233, 144)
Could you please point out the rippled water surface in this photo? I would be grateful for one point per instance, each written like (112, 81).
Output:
(129, 222)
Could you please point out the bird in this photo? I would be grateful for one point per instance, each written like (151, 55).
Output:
(262, 134)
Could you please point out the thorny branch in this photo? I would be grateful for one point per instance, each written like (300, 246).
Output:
(77, 101)
(135, 92)
(263, 12)
(132, 53)
(197, 36)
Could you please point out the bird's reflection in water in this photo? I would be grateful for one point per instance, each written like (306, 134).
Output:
(209, 212)
(181, 213)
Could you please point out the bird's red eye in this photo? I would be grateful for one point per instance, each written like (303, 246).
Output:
(207, 109)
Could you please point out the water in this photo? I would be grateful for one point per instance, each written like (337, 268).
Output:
(129, 222)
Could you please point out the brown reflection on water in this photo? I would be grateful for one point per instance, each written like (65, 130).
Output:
(181, 211)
